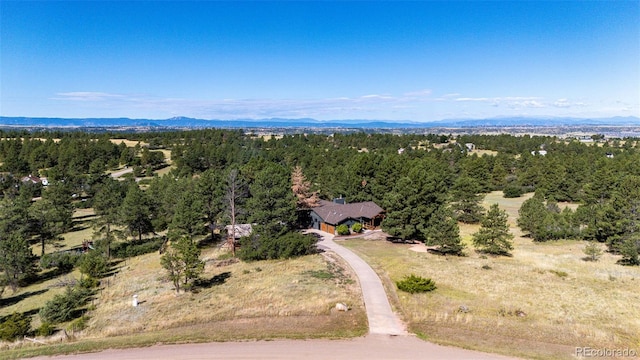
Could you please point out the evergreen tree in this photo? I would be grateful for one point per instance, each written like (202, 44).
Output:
(16, 258)
(531, 212)
(593, 251)
(135, 213)
(57, 199)
(626, 204)
(629, 248)
(43, 224)
(499, 176)
(211, 190)
(188, 219)
(182, 262)
(466, 200)
(405, 218)
(414, 199)
(494, 236)
(106, 205)
(272, 204)
(478, 169)
(444, 231)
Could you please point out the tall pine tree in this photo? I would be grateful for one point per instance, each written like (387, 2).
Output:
(494, 236)
(444, 232)
(135, 213)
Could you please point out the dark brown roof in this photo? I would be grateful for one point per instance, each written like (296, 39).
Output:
(333, 213)
(31, 178)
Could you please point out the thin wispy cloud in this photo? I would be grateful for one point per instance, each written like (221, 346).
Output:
(523, 102)
(253, 108)
(87, 96)
(368, 105)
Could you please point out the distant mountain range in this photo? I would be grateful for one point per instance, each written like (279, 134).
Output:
(185, 122)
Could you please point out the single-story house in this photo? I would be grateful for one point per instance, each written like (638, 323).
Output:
(31, 179)
(329, 215)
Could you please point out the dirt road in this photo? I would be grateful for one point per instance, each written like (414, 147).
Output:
(119, 173)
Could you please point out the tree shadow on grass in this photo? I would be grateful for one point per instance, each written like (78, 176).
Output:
(31, 312)
(216, 280)
(16, 299)
(113, 268)
(45, 275)
(210, 241)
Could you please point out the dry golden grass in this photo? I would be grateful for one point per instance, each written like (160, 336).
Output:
(82, 232)
(167, 155)
(267, 137)
(566, 301)
(259, 300)
(256, 296)
(34, 296)
(128, 143)
(483, 152)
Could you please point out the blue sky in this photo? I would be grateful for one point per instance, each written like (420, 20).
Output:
(418, 61)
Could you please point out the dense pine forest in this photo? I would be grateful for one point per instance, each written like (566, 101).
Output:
(425, 183)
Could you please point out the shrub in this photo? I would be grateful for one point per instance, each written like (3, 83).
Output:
(593, 252)
(64, 261)
(513, 191)
(343, 229)
(45, 329)
(94, 264)
(15, 326)
(416, 284)
(356, 228)
(64, 307)
(89, 282)
(262, 246)
(559, 273)
(136, 248)
(79, 324)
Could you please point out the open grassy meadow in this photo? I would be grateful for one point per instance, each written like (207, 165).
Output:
(542, 302)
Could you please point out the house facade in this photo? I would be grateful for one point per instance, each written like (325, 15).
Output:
(329, 215)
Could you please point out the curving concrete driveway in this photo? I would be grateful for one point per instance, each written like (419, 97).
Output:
(382, 319)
